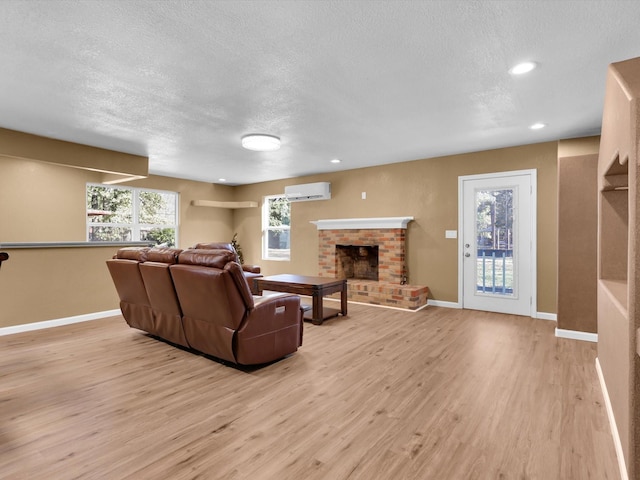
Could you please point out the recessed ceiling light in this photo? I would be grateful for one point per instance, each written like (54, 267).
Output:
(261, 142)
(521, 68)
(336, 160)
(222, 180)
(537, 126)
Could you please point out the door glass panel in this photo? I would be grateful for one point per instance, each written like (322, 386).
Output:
(494, 242)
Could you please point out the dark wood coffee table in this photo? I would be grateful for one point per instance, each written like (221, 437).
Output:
(316, 287)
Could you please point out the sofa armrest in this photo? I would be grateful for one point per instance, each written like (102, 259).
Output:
(271, 330)
(251, 268)
(251, 280)
(266, 298)
(274, 311)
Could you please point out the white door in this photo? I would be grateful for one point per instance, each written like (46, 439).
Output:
(497, 244)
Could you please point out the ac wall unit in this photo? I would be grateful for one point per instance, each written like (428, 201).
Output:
(308, 191)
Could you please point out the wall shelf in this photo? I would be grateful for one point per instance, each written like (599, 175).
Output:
(616, 176)
(218, 204)
(618, 294)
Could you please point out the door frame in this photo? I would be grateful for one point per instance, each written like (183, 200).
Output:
(534, 231)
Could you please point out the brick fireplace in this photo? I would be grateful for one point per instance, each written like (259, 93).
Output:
(388, 234)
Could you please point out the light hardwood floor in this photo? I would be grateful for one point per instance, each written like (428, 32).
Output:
(381, 394)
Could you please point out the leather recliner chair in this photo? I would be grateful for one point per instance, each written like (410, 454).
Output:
(223, 319)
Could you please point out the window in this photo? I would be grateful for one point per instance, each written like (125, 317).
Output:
(124, 214)
(276, 224)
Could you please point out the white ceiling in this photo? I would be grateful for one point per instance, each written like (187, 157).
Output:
(368, 82)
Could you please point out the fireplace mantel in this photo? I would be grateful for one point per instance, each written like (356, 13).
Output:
(362, 223)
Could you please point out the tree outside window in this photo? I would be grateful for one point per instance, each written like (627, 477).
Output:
(276, 225)
(122, 214)
(495, 219)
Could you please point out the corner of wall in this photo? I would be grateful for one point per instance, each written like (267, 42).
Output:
(612, 423)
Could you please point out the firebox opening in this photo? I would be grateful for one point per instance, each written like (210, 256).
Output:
(357, 261)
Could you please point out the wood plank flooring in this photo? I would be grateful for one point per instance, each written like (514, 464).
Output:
(381, 394)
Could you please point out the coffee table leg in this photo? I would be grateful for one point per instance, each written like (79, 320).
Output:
(343, 300)
(317, 317)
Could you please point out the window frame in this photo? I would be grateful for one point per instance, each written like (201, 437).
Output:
(135, 226)
(266, 227)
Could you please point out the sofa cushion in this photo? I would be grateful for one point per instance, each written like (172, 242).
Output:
(215, 246)
(164, 302)
(163, 255)
(218, 246)
(133, 253)
(227, 246)
(206, 257)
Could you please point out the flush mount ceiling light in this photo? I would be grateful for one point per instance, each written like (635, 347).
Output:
(537, 126)
(261, 142)
(522, 68)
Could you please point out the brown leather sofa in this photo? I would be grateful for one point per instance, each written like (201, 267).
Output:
(167, 314)
(134, 301)
(200, 299)
(251, 272)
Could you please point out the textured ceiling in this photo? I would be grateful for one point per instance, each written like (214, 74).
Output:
(368, 82)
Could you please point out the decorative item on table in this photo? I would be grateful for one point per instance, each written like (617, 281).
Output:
(236, 245)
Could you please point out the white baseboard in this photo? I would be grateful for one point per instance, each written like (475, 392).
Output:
(376, 305)
(441, 303)
(612, 423)
(28, 327)
(576, 335)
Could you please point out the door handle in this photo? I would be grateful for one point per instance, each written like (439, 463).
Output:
(467, 254)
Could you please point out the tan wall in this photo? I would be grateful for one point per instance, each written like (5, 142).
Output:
(577, 243)
(52, 283)
(578, 234)
(34, 147)
(44, 202)
(575, 147)
(41, 202)
(424, 189)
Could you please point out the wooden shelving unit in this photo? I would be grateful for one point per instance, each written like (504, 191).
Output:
(614, 233)
(618, 258)
(217, 204)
